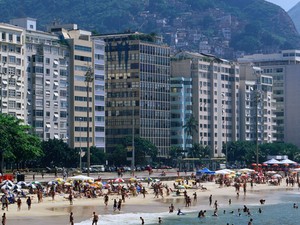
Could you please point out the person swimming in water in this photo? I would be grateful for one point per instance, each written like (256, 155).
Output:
(179, 212)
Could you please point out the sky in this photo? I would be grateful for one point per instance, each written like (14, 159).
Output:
(285, 4)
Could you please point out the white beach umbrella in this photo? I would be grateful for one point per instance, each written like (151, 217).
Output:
(81, 178)
(8, 182)
(22, 183)
(6, 187)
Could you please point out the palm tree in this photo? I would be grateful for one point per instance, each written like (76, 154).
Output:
(190, 127)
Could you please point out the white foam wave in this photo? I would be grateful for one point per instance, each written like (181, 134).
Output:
(128, 218)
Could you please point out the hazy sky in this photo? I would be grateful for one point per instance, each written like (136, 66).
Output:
(285, 4)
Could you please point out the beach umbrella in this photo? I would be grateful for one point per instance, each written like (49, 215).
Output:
(22, 183)
(180, 187)
(32, 186)
(8, 182)
(148, 179)
(6, 187)
(67, 184)
(107, 186)
(52, 182)
(246, 170)
(94, 185)
(36, 182)
(81, 178)
(132, 179)
(270, 172)
(156, 180)
(187, 186)
(16, 186)
(118, 180)
(178, 180)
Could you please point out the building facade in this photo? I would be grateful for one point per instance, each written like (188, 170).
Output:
(12, 71)
(81, 103)
(181, 110)
(138, 90)
(284, 68)
(215, 98)
(257, 108)
(47, 82)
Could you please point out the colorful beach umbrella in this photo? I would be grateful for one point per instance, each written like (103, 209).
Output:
(119, 180)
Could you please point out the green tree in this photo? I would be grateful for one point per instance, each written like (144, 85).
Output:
(17, 143)
(190, 127)
(143, 149)
(98, 156)
(58, 153)
(118, 157)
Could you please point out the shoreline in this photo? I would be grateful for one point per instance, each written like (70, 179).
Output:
(57, 211)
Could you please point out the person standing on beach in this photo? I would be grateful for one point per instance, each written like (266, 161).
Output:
(119, 204)
(95, 218)
(71, 198)
(106, 199)
(28, 201)
(210, 199)
(19, 203)
(71, 218)
(4, 219)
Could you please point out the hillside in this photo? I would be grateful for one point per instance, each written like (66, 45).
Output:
(221, 27)
(294, 13)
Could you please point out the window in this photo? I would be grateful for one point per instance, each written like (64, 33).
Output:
(83, 58)
(83, 48)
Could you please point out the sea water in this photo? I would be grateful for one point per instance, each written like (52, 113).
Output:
(279, 211)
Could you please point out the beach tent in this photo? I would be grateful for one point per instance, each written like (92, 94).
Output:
(81, 178)
(205, 171)
(272, 161)
(287, 161)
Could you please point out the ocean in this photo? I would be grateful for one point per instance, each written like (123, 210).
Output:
(278, 210)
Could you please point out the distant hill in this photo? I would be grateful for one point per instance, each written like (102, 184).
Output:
(220, 27)
(294, 13)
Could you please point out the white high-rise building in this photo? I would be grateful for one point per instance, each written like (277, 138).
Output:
(215, 98)
(13, 80)
(47, 78)
(257, 117)
(284, 67)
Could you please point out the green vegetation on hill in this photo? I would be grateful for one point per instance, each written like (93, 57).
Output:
(255, 25)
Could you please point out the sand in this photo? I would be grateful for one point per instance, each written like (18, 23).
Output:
(57, 211)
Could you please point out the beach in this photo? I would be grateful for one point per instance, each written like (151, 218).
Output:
(57, 211)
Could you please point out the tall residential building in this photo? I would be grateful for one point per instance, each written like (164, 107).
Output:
(99, 92)
(47, 78)
(256, 105)
(138, 90)
(181, 110)
(215, 98)
(81, 62)
(284, 67)
(13, 81)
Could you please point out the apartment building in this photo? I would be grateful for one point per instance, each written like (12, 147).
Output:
(138, 90)
(215, 98)
(81, 98)
(13, 81)
(284, 68)
(257, 116)
(47, 81)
